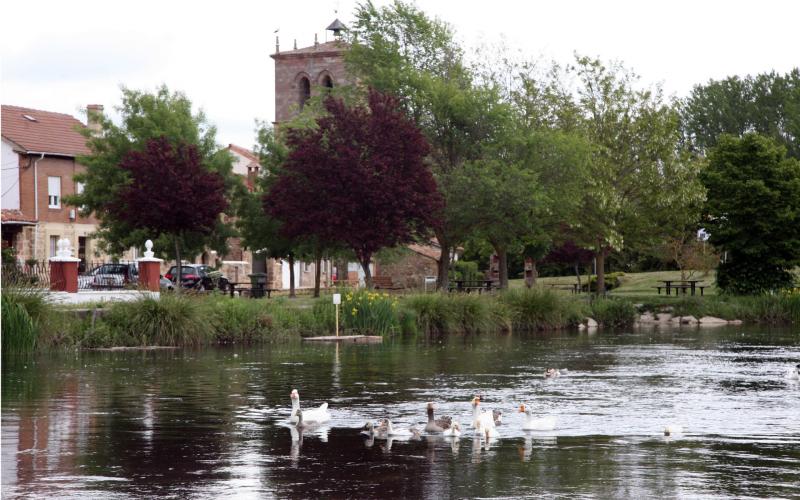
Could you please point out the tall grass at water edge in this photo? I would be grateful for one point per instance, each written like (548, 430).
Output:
(361, 312)
(439, 313)
(18, 328)
(541, 309)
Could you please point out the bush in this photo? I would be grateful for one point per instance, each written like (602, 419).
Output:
(613, 280)
(539, 309)
(172, 320)
(19, 331)
(362, 311)
(465, 270)
(613, 313)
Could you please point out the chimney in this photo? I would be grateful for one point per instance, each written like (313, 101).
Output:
(94, 114)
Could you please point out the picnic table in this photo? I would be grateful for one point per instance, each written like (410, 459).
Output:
(254, 292)
(573, 287)
(681, 285)
(467, 286)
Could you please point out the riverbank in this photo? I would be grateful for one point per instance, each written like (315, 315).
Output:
(29, 322)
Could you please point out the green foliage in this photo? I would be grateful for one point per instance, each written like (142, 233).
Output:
(146, 116)
(753, 213)
(540, 309)
(767, 103)
(613, 280)
(613, 313)
(369, 313)
(172, 320)
(465, 270)
(18, 329)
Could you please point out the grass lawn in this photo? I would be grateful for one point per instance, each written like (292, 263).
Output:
(633, 284)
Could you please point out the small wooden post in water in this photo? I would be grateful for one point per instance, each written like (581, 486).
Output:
(337, 299)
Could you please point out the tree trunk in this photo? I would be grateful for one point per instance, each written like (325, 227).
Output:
(578, 275)
(535, 274)
(502, 256)
(367, 272)
(443, 270)
(292, 293)
(178, 265)
(317, 272)
(341, 272)
(443, 263)
(601, 270)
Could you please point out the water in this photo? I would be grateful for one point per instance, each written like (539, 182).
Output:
(211, 423)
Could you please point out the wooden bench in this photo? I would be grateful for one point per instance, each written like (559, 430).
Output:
(679, 288)
(384, 283)
(249, 290)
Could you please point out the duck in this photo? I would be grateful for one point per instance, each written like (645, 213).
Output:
(393, 432)
(793, 373)
(671, 429)
(439, 425)
(536, 424)
(453, 431)
(482, 421)
(552, 373)
(318, 415)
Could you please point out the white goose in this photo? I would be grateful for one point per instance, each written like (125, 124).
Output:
(482, 421)
(316, 415)
(793, 373)
(672, 429)
(536, 424)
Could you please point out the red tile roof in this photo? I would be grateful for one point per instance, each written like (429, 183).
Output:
(11, 215)
(48, 132)
(244, 152)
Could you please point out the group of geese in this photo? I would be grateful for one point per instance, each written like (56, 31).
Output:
(484, 423)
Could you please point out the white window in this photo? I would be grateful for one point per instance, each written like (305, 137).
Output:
(54, 241)
(54, 192)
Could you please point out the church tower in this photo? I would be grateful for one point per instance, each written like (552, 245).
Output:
(301, 73)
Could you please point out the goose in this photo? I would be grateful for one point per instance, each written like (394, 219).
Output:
(372, 431)
(536, 424)
(393, 432)
(438, 425)
(303, 425)
(482, 421)
(671, 429)
(319, 415)
(793, 373)
(453, 431)
(497, 415)
(552, 373)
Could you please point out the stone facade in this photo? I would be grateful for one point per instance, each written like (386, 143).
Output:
(321, 65)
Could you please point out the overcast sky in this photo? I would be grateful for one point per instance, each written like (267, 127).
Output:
(60, 56)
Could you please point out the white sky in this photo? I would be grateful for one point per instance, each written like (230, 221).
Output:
(60, 56)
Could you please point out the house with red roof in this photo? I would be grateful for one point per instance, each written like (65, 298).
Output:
(39, 151)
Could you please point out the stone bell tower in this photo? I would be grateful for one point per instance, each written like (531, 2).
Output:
(301, 73)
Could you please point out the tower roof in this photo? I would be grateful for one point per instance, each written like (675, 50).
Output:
(336, 26)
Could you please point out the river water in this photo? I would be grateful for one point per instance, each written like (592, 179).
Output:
(211, 423)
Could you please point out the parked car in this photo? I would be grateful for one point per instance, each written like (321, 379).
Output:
(86, 279)
(199, 276)
(116, 275)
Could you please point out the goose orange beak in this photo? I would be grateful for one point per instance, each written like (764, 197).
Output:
(522, 408)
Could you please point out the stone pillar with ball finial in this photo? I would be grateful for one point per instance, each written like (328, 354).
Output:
(64, 268)
(149, 269)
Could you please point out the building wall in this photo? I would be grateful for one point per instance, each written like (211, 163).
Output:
(50, 167)
(9, 181)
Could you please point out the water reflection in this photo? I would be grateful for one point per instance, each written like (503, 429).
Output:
(213, 423)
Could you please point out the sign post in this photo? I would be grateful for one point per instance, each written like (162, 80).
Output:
(337, 299)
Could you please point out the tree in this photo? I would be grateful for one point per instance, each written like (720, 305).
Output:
(357, 179)
(635, 144)
(753, 213)
(145, 117)
(570, 253)
(767, 103)
(398, 50)
(157, 177)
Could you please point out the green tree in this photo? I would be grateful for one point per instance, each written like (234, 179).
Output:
(634, 139)
(400, 51)
(767, 103)
(148, 116)
(753, 213)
